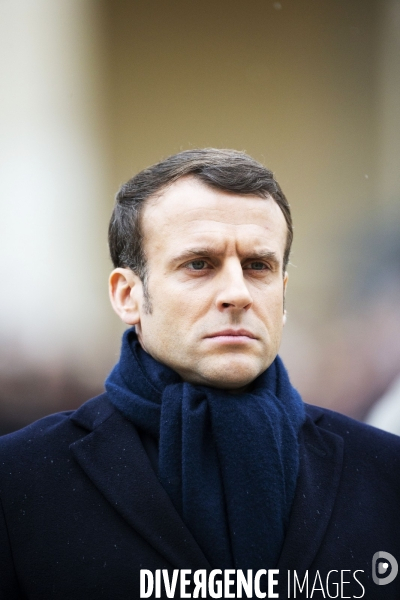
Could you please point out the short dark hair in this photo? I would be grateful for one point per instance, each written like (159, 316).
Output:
(227, 170)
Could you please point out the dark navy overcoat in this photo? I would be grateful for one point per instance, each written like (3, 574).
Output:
(82, 510)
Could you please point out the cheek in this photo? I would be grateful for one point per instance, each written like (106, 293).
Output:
(185, 304)
(169, 313)
(270, 303)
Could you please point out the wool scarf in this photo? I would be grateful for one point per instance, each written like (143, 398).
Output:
(229, 462)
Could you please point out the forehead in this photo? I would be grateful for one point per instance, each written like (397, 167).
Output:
(190, 211)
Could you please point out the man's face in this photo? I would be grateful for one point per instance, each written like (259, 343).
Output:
(215, 283)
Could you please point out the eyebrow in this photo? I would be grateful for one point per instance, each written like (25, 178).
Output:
(213, 252)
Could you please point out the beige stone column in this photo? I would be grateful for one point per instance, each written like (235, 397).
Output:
(388, 122)
(54, 187)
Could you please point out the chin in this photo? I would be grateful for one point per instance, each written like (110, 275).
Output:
(234, 373)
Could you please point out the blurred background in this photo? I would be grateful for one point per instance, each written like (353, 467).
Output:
(94, 90)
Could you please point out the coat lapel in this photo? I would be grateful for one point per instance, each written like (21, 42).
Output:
(321, 459)
(112, 456)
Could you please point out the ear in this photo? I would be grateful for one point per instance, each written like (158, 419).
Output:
(285, 280)
(126, 291)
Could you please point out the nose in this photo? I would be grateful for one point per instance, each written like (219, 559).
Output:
(233, 293)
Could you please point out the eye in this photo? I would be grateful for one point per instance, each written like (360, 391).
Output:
(257, 266)
(197, 265)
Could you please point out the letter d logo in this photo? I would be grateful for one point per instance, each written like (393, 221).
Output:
(380, 568)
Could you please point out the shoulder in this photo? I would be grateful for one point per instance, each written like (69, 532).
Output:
(364, 442)
(53, 433)
(346, 426)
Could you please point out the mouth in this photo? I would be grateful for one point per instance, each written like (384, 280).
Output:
(233, 336)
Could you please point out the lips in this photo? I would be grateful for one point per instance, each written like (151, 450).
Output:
(232, 333)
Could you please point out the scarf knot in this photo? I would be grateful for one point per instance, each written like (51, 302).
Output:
(229, 462)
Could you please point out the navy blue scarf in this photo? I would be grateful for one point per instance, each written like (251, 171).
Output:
(228, 462)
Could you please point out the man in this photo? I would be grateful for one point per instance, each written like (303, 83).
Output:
(200, 456)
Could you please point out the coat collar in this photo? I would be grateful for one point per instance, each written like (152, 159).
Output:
(112, 456)
(321, 462)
